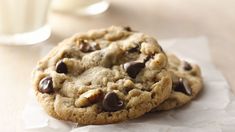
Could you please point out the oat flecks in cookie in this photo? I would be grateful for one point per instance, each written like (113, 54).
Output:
(103, 76)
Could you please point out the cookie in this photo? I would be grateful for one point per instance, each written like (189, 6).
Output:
(186, 83)
(103, 76)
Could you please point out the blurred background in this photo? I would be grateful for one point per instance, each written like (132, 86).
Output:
(164, 19)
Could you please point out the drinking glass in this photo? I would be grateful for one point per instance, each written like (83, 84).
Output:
(23, 22)
(80, 7)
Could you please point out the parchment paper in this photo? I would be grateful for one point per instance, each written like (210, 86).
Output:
(212, 111)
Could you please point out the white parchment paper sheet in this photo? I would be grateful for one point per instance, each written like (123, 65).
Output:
(212, 111)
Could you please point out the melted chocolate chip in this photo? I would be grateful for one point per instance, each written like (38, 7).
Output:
(111, 102)
(187, 66)
(182, 86)
(133, 68)
(61, 67)
(85, 47)
(46, 85)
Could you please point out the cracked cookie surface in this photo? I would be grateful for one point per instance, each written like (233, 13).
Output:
(186, 83)
(102, 76)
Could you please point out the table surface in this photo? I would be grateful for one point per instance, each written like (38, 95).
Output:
(161, 18)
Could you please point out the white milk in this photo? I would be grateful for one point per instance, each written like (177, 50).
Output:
(81, 7)
(21, 16)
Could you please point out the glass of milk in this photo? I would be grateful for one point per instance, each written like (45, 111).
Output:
(80, 7)
(23, 22)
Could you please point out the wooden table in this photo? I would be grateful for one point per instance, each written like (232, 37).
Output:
(161, 18)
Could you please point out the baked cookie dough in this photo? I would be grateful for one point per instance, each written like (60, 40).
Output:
(103, 76)
(186, 83)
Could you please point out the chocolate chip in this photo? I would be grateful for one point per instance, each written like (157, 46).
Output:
(187, 66)
(111, 102)
(127, 28)
(147, 58)
(85, 47)
(61, 67)
(133, 68)
(135, 49)
(126, 90)
(46, 85)
(182, 86)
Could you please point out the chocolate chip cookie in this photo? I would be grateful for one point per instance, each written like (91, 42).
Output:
(103, 76)
(186, 83)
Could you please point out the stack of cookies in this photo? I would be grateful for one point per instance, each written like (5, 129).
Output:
(112, 75)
